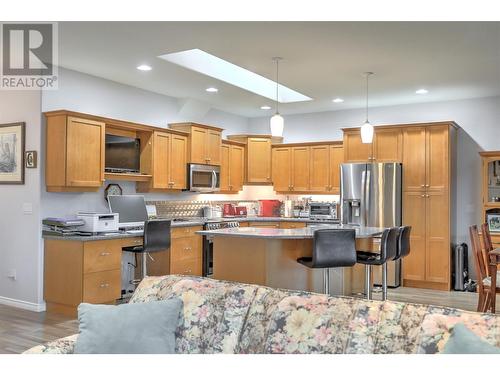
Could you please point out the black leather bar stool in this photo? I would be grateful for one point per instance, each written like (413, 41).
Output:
(331, 248)
(156, 238)
(403, 244)
(388, 251)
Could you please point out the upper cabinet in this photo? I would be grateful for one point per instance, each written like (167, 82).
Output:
(75, 153)
(307, 168)
(386, 147)
(257, 157)
(232, 166)
(204, 144)
(168, 161)
(426, 158)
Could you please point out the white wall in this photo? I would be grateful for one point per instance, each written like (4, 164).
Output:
(88, 94)
(20, 241)
(478, 119)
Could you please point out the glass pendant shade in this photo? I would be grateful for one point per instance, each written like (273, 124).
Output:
(367, 132)
(277, 125)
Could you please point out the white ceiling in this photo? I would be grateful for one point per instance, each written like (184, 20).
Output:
(323, 60)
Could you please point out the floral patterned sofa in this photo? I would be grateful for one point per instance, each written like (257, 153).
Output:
(226, 317)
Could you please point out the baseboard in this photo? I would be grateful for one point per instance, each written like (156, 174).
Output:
(37, 307)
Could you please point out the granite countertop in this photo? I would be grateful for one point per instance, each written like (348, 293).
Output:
(288, 234)
(179, 224)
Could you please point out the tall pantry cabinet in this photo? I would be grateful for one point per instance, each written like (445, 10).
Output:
(428, 158)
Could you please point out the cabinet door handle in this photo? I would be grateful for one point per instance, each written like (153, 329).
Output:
(187, 248)
(422, 185)
(187, 271)
(423, 195)
(427, 195)
(104, 285)
(103, 254)
(427, 185)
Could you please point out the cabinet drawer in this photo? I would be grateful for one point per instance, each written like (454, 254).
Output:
(292, 225)
(186, 267)
(101, 256)
(132, 241)
(186, 248)
(101, 287)
(264, 224)
(185, 231)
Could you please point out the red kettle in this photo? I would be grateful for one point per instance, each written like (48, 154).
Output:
(228, 210)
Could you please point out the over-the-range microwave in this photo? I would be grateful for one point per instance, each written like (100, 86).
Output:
(203, 178)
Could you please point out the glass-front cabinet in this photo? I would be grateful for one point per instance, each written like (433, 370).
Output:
(491, 193)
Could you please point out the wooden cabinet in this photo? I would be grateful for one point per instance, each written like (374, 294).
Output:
(427, 157)
(186, 251)
(204, 144)
(258, 157)
(386, 146)
(168, 165)
(282, 162)
(300, 168)
(81, 271)
(307, 168)
(74, 153)
(491, 189)
(232, 167)
(414, 158)
(356, 151)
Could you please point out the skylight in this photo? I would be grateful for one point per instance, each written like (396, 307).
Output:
(213, 66)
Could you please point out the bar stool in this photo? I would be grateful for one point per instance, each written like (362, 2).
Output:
(331, 248)
(388, 251)
(156, 238)
(403, 243)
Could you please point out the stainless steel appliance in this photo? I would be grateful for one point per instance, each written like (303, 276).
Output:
(322, 210)
(203, 178)
(370, 195)
(208, 245)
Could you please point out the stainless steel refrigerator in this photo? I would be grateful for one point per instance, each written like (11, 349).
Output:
(370, 195)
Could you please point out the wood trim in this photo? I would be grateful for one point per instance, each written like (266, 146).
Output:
(111, 122)
(490, 154)
(234, 143)
(182, 125)
(425, 285)
(385, 126)
(127, 176)
(300, 144)
(121, 132)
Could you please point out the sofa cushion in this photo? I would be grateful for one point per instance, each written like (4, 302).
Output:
(213, 314)
(315, 323)
(437, 325)
(399, 328)
(144, 328)
(463, 341)
(64, 345)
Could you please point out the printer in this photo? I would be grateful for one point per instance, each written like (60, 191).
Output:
(98, 223)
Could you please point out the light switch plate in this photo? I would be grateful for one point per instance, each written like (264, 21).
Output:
(27, 208)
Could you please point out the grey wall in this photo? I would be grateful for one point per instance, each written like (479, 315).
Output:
(478, 119)
(20, 239)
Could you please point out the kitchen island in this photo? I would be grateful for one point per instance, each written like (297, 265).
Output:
(268, 256)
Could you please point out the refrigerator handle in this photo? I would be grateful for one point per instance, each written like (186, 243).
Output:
(367, 197)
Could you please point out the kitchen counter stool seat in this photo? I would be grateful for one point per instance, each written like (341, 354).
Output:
(331, 248)
(388, 251)
(157, 237)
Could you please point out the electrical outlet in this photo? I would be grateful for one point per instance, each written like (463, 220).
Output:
(12, 274)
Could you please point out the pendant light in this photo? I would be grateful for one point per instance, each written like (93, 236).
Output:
(277, 122)
(367, 128)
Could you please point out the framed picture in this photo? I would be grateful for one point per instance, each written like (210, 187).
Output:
(493, 222)
(12, 153)
(30, 159)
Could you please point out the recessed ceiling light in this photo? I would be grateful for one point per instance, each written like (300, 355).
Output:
(338, 100)
(215, 67)
(144, 68)
(421, 91)
(212, 89)
(265, 107)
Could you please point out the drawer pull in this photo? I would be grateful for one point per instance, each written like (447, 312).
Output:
(104, 285)
(187, 248)
(138, 241)
(103, 254)
(187, 271)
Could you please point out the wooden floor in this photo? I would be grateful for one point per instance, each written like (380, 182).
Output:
(21, 329)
